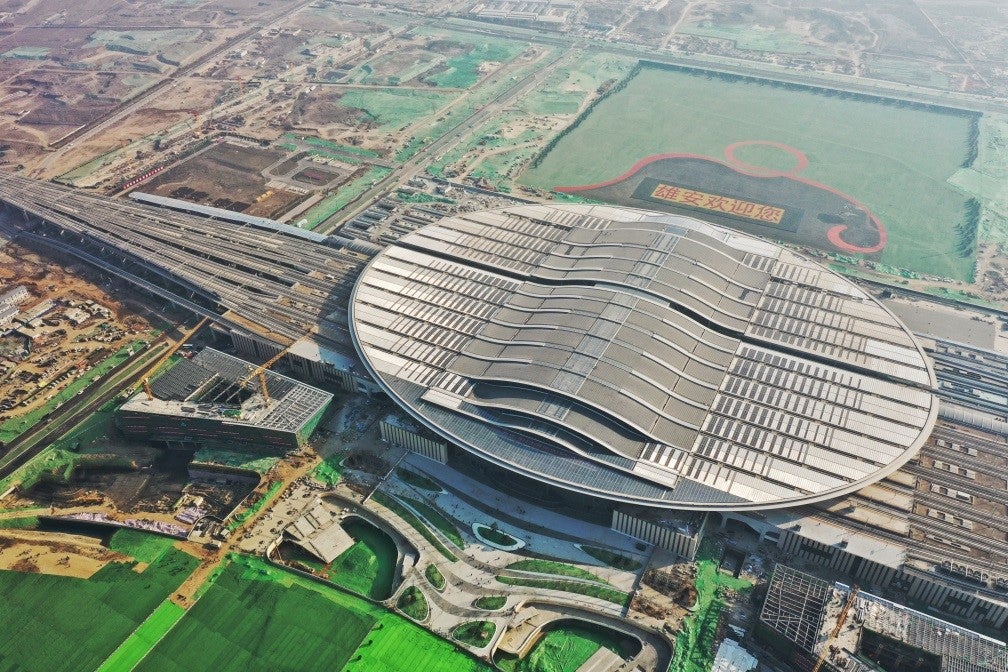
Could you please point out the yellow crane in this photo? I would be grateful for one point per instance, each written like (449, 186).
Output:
(171, 351)
(841, 619)
(260, 373)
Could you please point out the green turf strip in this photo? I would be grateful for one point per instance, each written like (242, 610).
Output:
(144, 638)
(600, 591)
(55, 623)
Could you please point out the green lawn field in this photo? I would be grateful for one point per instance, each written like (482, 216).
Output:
(258, 617)
(896, 159)
(53, 623)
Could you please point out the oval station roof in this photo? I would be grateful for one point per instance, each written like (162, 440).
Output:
(643, 357)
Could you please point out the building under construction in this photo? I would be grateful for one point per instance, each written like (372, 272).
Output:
(819, 626)
(215, 400)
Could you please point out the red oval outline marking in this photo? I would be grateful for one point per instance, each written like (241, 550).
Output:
(833, 234)
(801, 161)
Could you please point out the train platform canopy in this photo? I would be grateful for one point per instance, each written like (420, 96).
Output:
(643, 357)
(227, 215)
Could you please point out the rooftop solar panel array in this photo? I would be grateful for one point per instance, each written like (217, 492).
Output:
(707, 362)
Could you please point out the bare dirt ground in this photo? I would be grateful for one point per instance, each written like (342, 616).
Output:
(226, 176)
(60, 343)
(52, 553)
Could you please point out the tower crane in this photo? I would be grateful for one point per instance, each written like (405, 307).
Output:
(841, 619)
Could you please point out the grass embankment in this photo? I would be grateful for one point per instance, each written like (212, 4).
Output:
(329, 471)
(12, 428)
(344, 195)
(694, 649)
(614, 560)
(256, 507)
(235, 460)
(411, 518)
(437, 519)
(553, 568)
(368, 567)
(601, 591)
(140, 545)
(417, 480)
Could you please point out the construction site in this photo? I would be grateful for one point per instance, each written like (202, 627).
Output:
(215, 400)
(61, 327)
(816, 625)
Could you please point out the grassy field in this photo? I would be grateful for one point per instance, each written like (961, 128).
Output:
(895, 159)
(53, 623)
(255, 617)
(245, 622)
(565, 89)
(395, 108)
(367, 567)
(749, 38)
(463, 71)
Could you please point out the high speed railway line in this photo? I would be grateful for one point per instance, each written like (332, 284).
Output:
(274, 284)
(971, 377)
